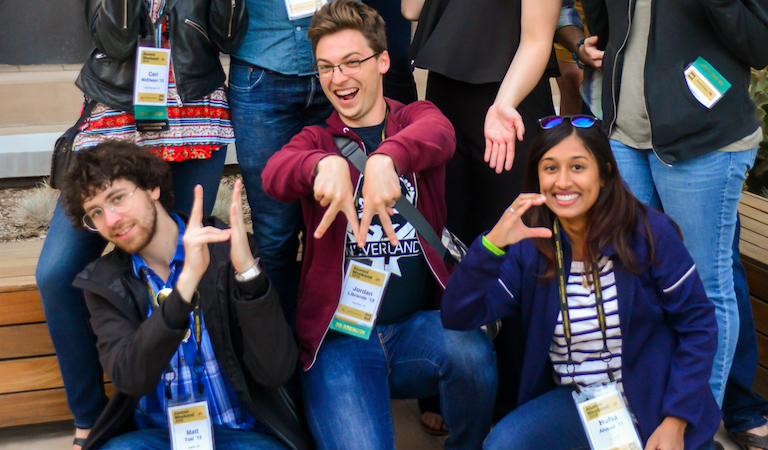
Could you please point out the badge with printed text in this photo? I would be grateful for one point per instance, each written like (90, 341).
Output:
(150, 91)
(705, 83)
(361, 296)
(606, 419)
(298, 9)
(190, 426)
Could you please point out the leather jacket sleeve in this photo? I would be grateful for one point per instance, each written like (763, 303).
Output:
(227, 24)
(115, 26)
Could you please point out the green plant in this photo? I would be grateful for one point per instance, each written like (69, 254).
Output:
(758, 89)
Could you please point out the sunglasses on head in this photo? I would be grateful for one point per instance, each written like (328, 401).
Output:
(579, 121)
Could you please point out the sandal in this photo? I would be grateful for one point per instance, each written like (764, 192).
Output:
(748, 439)
(79, 441)
(441, 431)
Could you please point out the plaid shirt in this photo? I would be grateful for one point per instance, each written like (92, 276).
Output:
(225, 408)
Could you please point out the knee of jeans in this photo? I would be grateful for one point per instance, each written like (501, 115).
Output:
(53, 277)
(474, 356)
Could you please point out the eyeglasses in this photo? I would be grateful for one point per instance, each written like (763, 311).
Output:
(580, 121)
(119, 202)
(346, 68)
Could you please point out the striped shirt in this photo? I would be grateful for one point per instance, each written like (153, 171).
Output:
(586, 338)
(197, 128)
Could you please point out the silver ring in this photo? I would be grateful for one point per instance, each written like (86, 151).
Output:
(511, 210)
(393, 204)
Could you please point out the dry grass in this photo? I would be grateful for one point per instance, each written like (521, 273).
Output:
(34, 210)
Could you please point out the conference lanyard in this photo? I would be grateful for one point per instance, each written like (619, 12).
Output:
(561, 285)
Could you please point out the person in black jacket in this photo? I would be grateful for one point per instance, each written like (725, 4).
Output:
(179, 314)
(677, 109)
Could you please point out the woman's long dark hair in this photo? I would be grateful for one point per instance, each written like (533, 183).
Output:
(611, 220)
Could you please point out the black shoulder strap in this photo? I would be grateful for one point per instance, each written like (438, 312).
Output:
(352, 151)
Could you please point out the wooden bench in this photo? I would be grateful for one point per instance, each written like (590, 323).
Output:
(31, 389)
(753, 211)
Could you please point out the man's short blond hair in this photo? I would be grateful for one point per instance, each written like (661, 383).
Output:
(340, 15)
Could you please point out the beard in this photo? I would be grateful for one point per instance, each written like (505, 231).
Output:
(144, 228)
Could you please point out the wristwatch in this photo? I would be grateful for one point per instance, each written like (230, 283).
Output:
(249, 274)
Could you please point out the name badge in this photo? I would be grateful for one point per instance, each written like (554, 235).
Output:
(190, 426)
(606, 419)
(361, 296)
(150, 90)
(298, 9)
(705, 83)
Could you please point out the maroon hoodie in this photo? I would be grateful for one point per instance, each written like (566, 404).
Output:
(420, 140)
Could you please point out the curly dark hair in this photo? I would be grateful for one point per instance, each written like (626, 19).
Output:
(94, 169)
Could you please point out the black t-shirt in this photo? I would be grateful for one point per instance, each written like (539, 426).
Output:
(411, 286)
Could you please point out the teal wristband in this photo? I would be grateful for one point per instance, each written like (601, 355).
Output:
(492, 248)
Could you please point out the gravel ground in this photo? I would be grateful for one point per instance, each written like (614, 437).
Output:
(13, 229)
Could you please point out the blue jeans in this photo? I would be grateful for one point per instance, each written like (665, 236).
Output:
(702, 196)
(268, 109)
(66, 252)
(347, 391)
(549, 421)
(742, 409)
(225, 439)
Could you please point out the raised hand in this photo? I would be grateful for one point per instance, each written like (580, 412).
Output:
(380, 191)
(241, 256)
(510, 229)
(196, 256)
(333, 188)
(503, 125)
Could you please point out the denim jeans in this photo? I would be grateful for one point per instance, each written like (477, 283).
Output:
(702, 196)
(225, 439)
(347, 391)
(66, 251)
(549, 421)
(268, 109)
(742, 409)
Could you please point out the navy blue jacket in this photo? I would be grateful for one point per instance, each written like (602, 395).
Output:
(668, 328)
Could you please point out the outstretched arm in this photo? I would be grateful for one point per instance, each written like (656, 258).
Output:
(503, 124)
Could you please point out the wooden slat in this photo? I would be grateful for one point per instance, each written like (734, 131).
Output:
(36, 407)
(755, 201)
(755, 239)
(762, 349)
(754, 225)
(760, 315)
(760, 387)
(752, 253)
(30, 374)
(757, 280)
(22, 247)
(21, 341)
(21, 307)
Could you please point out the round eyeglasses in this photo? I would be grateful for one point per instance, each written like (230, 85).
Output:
(579, 121)
(119, 202)
(346, 68)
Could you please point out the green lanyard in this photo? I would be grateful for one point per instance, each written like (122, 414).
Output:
(562, 283)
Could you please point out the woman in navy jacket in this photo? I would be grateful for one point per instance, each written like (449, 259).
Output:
(664, 335)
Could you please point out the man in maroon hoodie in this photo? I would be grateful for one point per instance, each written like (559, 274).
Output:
(403, 351)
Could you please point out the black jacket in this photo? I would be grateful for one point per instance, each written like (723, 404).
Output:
(250, 337)
(732, 35)
(198, 31)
